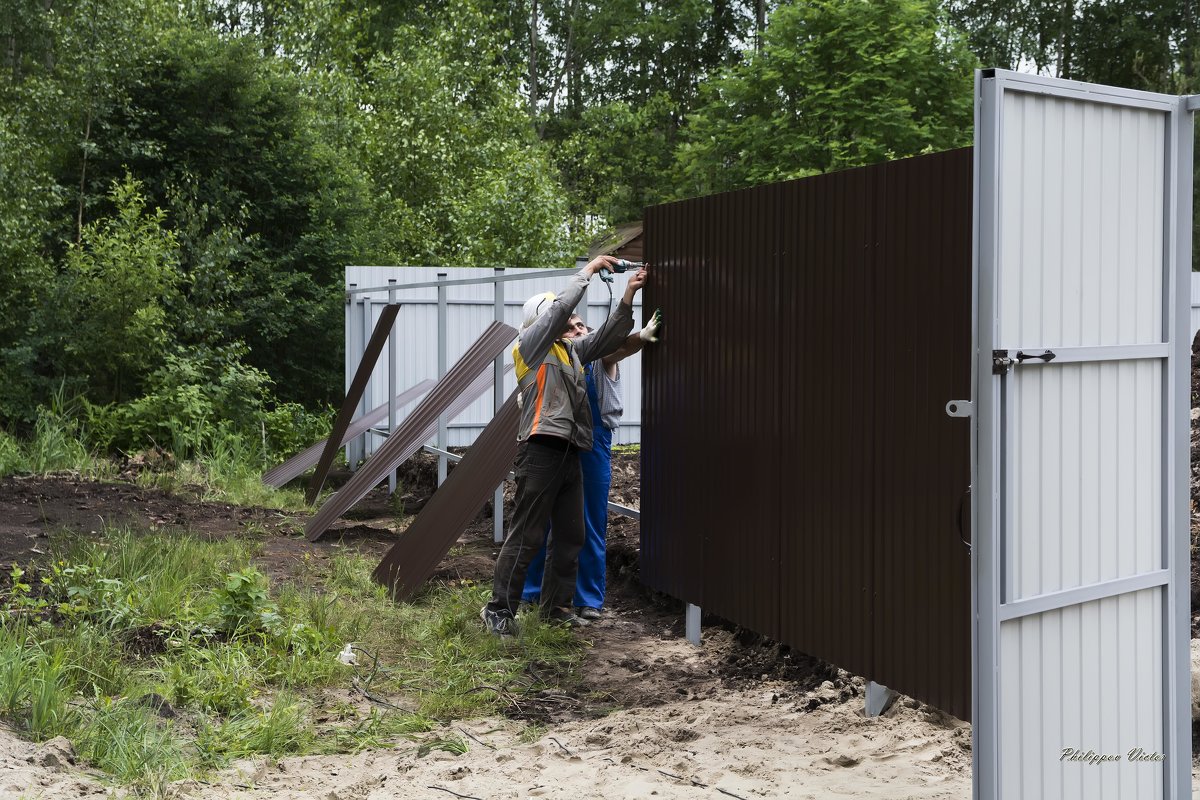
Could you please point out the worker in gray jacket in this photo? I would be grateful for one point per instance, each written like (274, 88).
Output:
(556, 424)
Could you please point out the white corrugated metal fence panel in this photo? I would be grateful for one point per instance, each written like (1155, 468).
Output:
(469, 311)
(1195, 304)
(1072, 679)
(1082, 247)
(1087, 445)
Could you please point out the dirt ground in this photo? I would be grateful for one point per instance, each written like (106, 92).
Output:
(737, 717)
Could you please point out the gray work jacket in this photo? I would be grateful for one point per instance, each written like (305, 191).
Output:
(549, 368)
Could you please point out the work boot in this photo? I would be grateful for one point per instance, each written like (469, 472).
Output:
(589, 613)
(500, 623)
(565, 616)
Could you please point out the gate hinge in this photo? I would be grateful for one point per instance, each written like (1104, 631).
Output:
(1001, 363)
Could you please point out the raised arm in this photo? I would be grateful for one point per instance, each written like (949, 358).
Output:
(535, 340)
(611, 335)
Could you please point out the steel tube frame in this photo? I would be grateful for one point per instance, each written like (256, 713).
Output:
(392, 358)
(497, 402)
(524, 276)
(441, 370)
(499, 304)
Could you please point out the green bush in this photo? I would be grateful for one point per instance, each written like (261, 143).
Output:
(243, 602)
(196, 401)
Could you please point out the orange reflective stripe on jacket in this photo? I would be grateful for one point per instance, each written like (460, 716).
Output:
(541, 393)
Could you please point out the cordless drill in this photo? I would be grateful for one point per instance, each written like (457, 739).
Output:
(621, 266)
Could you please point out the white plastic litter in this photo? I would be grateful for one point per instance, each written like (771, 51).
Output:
(347, 656)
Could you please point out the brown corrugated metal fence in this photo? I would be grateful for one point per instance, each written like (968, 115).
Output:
(800, 475)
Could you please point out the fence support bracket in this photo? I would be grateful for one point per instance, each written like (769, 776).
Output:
(879, 697)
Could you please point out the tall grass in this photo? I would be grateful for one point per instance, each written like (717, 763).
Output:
(228, 469)
(58, 444)
(15, 668)
(279, 730)
(128, 739)
(35, 684)
(12, 455)
(93, 659)
(121, 623)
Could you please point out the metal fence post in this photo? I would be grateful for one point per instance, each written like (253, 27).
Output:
(691, 624)
(391, 362)
(441, 371)
(497, 401)
(364, 404)
(352, 325)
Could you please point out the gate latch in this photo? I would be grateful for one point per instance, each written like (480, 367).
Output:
(1002, 362)
(1046, 356)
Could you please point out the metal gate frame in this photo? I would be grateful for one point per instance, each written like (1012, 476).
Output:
(992, 509)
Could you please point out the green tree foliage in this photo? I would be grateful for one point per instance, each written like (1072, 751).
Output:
(26, 273)
(462, 178)
(838, 83)
(267, 213)
(120, 277)
(614, 85)
(1138, 44)
(618, 159)
(256, 147)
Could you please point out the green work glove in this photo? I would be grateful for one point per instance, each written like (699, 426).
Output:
(648, 333)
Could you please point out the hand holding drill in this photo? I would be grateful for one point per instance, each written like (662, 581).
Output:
(619, 265)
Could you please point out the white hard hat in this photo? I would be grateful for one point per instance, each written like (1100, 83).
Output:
(534, 307)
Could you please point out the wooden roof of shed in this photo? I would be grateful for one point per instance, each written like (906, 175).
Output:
(624, 241)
